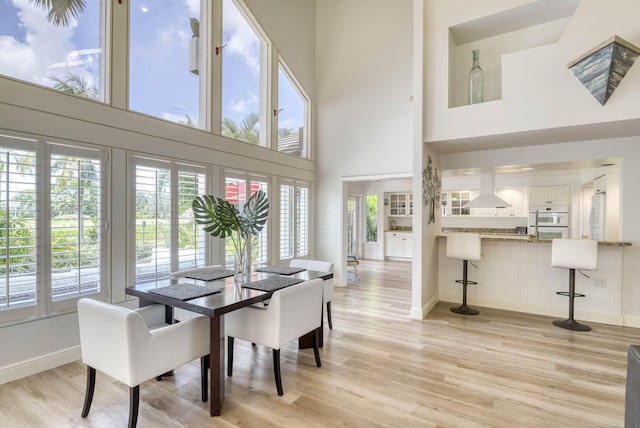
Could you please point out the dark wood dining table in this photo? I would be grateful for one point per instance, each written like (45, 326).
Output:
(229, 298)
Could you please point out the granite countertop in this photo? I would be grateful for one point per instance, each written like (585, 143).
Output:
(514, 237)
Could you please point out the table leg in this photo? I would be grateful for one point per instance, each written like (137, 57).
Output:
(217, 352)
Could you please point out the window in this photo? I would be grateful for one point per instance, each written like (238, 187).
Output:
(167, 61)
(294, 220)
(352, 225)
(243, 83)
(167, 237)
(59, 48)
(239, 187)
(458, 199)
(291, 115)
(372, 218)
(65, 184)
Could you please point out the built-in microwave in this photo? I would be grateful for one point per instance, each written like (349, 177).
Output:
(549, 218)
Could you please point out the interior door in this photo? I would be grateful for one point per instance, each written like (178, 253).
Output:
(353, 225)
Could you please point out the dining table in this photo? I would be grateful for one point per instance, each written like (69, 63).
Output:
(226, 296)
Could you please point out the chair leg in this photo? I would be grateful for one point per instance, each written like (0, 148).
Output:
(329, 315)
(134, 402)
(205, 362)
(88, 395)
(316, 348)
(229, 356)
(276, 371)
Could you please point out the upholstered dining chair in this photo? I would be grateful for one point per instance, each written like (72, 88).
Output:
(320, 266)
(183, 314)
(291, 313)
(133, 346)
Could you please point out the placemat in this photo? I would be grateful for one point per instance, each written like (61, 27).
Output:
(273, 283)
(282, 270)
(210, 275)
(184, 291)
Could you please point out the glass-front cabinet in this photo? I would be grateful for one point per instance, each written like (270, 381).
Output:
(401, 204)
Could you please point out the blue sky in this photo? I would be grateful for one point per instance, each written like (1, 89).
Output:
(160, 82)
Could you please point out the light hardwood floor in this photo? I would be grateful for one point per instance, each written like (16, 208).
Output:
(379, 369)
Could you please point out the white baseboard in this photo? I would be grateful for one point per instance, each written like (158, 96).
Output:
(39, 364)
(631, 321)
(560, 313)
(418, 314)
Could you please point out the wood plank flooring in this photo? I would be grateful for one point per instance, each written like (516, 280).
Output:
(379, 369)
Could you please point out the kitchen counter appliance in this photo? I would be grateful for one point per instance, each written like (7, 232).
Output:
(549, 222)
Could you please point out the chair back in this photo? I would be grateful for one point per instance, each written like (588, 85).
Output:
(319, 266)
(114, 340)
(574, 254)
(183, 273)
(296, 310)
(464, 246)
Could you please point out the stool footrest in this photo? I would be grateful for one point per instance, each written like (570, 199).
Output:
(460, 281)
(566, 293)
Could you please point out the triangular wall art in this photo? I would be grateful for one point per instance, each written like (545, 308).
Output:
(602, 68)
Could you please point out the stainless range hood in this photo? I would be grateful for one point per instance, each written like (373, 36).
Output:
(487, 197)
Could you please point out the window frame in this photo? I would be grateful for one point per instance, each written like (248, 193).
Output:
(248, 177)
(294, 220)
(43, 149)
(174, 167)
(305, 150)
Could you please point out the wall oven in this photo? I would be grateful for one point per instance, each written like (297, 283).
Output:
(549, 222)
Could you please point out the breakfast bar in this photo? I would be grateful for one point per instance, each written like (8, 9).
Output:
(515, 274)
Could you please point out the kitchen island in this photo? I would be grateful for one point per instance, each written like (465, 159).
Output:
(515, 274)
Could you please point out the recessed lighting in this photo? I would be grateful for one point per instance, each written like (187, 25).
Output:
(144, 9)
(527, 169)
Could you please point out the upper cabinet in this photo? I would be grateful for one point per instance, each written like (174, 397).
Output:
(400, 204)
(517, 197)
(550, 196)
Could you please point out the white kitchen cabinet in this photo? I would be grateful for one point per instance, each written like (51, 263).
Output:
(398, 244)
(401, 204)
(516, 196)
(549, 196)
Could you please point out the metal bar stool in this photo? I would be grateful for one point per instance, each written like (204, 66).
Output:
(573, 254)
(465, 247)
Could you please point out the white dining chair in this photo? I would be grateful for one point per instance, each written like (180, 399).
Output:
(291, 313)
(183, 314)
(320, 266)
(133, 346)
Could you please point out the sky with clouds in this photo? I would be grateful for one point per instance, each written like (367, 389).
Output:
(160, 81)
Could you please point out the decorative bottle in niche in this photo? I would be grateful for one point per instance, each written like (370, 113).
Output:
(476, 80)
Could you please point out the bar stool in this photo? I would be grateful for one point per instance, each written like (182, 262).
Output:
(573, 254)
(465, 247)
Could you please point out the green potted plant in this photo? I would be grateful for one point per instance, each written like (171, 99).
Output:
(224, 220)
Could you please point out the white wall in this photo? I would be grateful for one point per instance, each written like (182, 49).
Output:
(290, 25)
(538, 90)
(364, 110)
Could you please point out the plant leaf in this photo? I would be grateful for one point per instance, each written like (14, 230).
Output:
(256, 212)
(219, 217)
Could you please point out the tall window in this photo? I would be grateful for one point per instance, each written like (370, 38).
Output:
(166, 60)
(294, 220)
(352, 225)
(57, 47)
(239, 187)
(60, 190)
(372, 218)
(291, 115)
(243, 55)
(167, 237)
